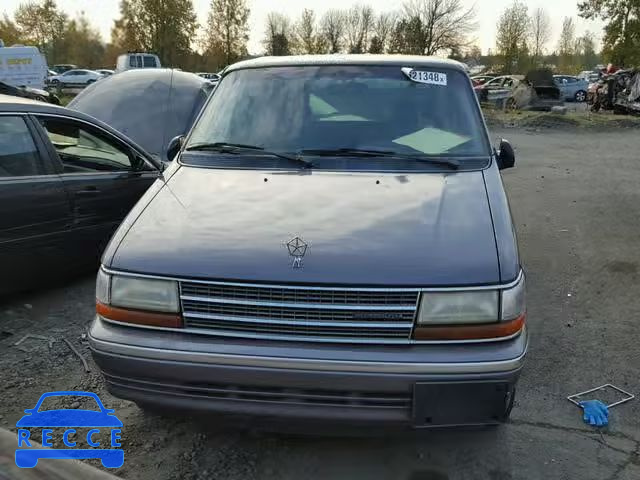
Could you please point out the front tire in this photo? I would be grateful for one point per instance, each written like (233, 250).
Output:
(580, 96)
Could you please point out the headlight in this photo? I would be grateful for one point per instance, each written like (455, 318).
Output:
(137, 293)
(144, 294)
(140, 301)
(456, 308)
(471, 315)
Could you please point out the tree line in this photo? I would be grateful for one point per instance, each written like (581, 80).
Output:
(169, 28)
(523, 38)
(421, 27)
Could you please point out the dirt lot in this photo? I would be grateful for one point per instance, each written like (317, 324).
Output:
(576, 203)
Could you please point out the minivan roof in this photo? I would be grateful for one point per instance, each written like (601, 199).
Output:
(365, 59)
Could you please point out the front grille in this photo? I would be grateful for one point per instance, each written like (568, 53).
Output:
(299, 313)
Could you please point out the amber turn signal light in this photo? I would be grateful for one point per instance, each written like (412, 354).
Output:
(470, 332)
(139, 317)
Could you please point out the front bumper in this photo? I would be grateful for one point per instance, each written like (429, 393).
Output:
(413, 385)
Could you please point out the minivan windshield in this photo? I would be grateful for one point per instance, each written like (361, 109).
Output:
(346, 111)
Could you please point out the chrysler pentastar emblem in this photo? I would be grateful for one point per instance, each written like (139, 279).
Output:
(297, 249)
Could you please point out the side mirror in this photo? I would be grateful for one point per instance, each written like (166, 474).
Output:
(506, 157)
(174, 146)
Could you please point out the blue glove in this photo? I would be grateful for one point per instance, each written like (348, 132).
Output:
(596, 413)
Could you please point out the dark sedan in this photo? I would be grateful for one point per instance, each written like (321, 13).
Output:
(28, 92)
(66, 182)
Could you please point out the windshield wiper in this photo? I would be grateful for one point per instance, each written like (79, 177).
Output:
(361, 152)
(232, 148)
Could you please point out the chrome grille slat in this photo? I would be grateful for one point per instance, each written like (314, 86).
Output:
(299, 313)
(309, 323)
(302, 330)
(289, 313)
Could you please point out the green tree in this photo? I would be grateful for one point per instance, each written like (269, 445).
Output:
(81, 44)
(444, 25)
(227, 31)
(408, 36)
(308, 37)
(165, 27)
(42, 24)
(376, 45)
(621, 41)
(382, 31)
(333, 29)
(540, 34)
(358, 25)
(9, 32)
(512, 35)
(567, 46)
(586, 51)
(279, 35)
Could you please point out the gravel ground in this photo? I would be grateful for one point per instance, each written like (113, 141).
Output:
(576, 204)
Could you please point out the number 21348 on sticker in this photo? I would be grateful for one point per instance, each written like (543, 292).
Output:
(422, 76)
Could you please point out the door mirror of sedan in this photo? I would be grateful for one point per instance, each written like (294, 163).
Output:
(506, 156)
(174, 146)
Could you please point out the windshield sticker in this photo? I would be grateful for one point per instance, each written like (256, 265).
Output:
(424, 76)
(432, 141)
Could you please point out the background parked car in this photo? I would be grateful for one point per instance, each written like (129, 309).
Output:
(63, 67)
(589, 75)
(105, 72)
(573, 89)
(75, 77)
(481, 79)
(28, 92)
(66, 182)
(497, 88)
(536, 90)
(150, 106)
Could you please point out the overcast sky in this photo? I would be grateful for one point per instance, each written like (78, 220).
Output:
(103, 12)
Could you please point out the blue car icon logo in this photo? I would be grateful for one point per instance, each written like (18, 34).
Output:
(69, 418)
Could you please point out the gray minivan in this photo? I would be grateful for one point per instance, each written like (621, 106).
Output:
(333, 243)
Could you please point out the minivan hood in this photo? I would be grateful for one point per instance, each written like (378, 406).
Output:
(416, 229)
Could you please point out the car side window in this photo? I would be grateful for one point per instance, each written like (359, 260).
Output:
(149, 61)
(132, 61)
(18, 153)
(84, 149)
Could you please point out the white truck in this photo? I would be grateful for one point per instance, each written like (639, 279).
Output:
(22, 66)
(133, 60)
